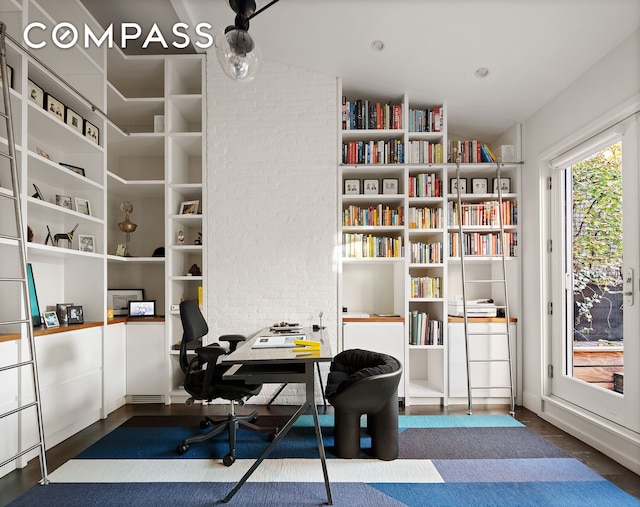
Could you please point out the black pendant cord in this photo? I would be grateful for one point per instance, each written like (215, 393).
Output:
(263, 9)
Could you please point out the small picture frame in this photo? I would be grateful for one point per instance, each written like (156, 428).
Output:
(61, 312)
(54, 107)
(77, 170)
(351, 187)
(453, 186)
(82, 206)
(505, 185)
(75, 315)
(390, 186)
(64, 201)
(121, 250)
(86, 243)
(51, 319)
(38, 194)
(35, 94)
(371, 187)
(479, 185)
(91, 132)
(74, 120)
(43, 154)
(189, 208)
(9, 75)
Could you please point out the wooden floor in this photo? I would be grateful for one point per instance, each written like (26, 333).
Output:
(19, 481)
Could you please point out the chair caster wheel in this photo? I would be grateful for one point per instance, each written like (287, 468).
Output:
(205, 424)
(272, 436)
(182, 448)
(228, 460)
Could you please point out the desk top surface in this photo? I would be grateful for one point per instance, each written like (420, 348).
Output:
(246, 354)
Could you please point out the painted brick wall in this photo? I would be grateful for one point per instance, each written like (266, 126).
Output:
(272, 203)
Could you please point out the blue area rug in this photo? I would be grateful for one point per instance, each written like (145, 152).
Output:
(444, 460)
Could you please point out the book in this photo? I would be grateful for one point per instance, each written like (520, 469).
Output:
(277, 342)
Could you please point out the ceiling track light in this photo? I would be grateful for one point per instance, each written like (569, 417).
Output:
(237, 53)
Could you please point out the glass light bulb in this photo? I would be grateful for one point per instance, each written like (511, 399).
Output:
(238, 55)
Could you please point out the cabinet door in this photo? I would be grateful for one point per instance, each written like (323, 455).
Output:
(115, 367)
(146, 371)
(481, 347)
(383, 337)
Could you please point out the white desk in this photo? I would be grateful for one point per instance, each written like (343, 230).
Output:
(277, 366)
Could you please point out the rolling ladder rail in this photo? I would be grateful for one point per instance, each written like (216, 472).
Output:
(18, 240)
(503, 282)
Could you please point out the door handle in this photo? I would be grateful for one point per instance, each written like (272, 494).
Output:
(628, 287)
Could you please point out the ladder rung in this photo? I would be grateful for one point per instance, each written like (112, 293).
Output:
(32, 448)
(19, 409)
(23, 280)
(495, 333)
(488, 360)
(14, 322)
(489, 280)
(11, 238)
(6, 155)
(4, 115)
(492, 387)
(16, 365)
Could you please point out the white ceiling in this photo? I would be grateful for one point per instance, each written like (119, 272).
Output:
(532, 48)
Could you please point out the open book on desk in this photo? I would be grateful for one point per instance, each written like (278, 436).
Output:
(276, 342)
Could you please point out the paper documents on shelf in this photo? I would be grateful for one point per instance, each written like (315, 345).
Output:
(475, 308)
(279, 341)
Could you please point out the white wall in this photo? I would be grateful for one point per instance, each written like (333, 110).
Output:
(611, 83)
(272, 200)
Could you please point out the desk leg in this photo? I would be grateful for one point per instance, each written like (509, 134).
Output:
(311, 400)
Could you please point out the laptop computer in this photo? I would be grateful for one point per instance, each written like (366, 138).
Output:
(142, 308)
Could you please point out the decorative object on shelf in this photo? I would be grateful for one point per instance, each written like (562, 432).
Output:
(158, 123)
(351, 187)
(479, 185)
(73, 119)
(49, 237)
(66, 236)
(77, 170)
(453, 186)
(91, 132)
(51, 320)
(33, 297)
(194, 270)
(82, 206)
(158, 252)
(371, 187)
(127, 226)
(43, 154)
(54, 107)
(75, 315)
(35, 93)
(390, 186)
(189, 207)
(38, 194)
(198, 240)
(9, 75)
(110, 314)
(118, 299)
(505, 185)
(29, 234)
(237, 53)
(86, 243)
(121, 250)
(180, 237)
(64, 201)
(62, 311)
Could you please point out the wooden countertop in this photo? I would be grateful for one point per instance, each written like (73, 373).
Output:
(477, 320)
(373, 318)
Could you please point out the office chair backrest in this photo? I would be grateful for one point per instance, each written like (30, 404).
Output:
(194, 327)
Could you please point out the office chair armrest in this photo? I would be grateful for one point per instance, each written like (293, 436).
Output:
(233, 340)
(209, 354)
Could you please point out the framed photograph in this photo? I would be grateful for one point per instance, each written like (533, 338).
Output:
(453, 185)
(505, 185)
(73, 119)
(35, 93)
(118, 299)
(91, 132)
(390, 186)
(479, 186)
(54, 106)
(61, 312)
(77, 170)
(9, 75)
(64, 201)
(86, 243)
(371, 187)
(351, 187)
(51, 320)
(189, 207)
(75, 315)
(121, 250)
(43, 154)
(38, 194)
(82, 206)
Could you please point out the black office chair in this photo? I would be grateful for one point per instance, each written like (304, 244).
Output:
(203, 381)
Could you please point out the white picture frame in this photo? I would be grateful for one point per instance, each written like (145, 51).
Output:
(371, 187)
(83, 206)
(505, 185)
(351, 187)
(51, 319)
(479, 185)
(189, 207)
(453, 186)
(390, 186)
(64, 201)
(118, 299)
(86, 243)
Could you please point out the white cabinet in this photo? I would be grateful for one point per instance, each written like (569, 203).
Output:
(146, 356)
(481, 347)
(115, 367)
(383, 337)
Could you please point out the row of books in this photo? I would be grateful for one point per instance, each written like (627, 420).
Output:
(373, 152)
(425, 185)
(482, 213)
(426, 120)
(369, 246)
(364, 114)
(424, 330)
(355, 216)
(425, 218)
(425, 286)
(471, 152)
(426, 253)
(483, 244)
(424, 152)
